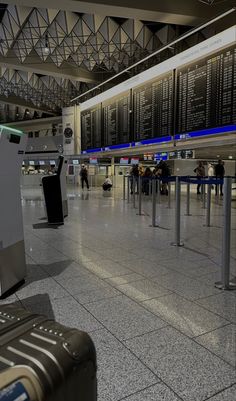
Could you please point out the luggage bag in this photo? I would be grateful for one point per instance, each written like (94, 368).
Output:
(63, 360)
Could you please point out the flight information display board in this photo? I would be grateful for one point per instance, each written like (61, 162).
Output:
(153, 106)
(91, 128)
(116, 120)
(206, 92)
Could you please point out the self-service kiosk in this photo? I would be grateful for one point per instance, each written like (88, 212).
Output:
(12, 249)
(54, 189)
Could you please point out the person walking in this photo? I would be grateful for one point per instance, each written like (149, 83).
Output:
(84, 176)
(200, 171)
(219, 173)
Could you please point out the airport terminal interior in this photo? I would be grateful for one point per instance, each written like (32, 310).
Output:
(118, 200)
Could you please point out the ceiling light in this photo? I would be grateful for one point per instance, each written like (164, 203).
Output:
(217, 155)
(230, 157)
(46, 49)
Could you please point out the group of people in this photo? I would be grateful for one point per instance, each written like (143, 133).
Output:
(218, 171)
(161, 170)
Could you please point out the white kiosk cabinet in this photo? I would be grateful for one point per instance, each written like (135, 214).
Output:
(12, 250)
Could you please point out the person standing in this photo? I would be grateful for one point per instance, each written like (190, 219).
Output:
(219, 173)
(134, 180)
(163, 172)
(200, 171)
(84, 176)
(210, 172)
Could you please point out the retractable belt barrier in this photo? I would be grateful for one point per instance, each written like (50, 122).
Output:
(154, 188)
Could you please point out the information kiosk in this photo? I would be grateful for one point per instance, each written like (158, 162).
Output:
(54, 189)
(12, 249)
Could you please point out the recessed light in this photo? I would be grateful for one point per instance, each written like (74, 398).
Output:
(217, 155)
(230, 157)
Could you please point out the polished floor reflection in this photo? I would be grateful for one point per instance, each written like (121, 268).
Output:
(161, 329)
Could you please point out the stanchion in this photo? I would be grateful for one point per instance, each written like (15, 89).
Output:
(177, 213)
(225, 283)
(133, 192)
(124, 187)
(208, 211)
(204, 196)
(128, 188)
(158, 191)
(188, 200)
(150, 186)
(169, 195)
(154, 195)
(140, 196)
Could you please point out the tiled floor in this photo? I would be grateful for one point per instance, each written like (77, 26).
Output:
(162, 331)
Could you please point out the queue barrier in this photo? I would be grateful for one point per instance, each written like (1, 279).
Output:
(154, 185)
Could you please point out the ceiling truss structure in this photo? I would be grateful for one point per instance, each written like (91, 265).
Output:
(64, 40)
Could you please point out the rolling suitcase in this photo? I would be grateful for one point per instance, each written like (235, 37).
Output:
(63, 360)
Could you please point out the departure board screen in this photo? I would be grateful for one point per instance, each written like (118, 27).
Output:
(116, 120)
(153, 104)
(91, 128)
(206, 92)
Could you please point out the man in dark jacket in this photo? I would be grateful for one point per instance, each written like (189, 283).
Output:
(164, 172)
(219, 173)
(84, 176)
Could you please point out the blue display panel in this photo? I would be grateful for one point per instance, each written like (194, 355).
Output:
(206, 132)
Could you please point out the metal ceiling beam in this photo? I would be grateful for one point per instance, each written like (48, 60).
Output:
(37, 124)
(19, 102)
(34, 64)
(181, 12)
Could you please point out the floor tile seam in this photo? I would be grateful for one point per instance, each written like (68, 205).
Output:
(140, 302)
(217, 314)
(83, 267)
(212, 331)
(172, 270)
(194, 301)
(142, 274)
(45, 240)
(123, 275)
(179, 330)
(180, 295)
(100, 299)
(122, 342)
(217, 356)
(152, 385)
(139, 391)
(219, 392)
(190, 338)
(137, 303)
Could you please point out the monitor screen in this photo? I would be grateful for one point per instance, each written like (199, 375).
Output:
(134, 160)
(124, 160)
(41, 162)
(93, 160)
(52, 163)
(161, 156)
(31, 162)
(75, 161)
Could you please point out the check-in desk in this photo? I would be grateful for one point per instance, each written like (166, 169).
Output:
(12, 249)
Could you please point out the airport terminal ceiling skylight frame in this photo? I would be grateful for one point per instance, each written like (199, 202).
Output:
(169, 45)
